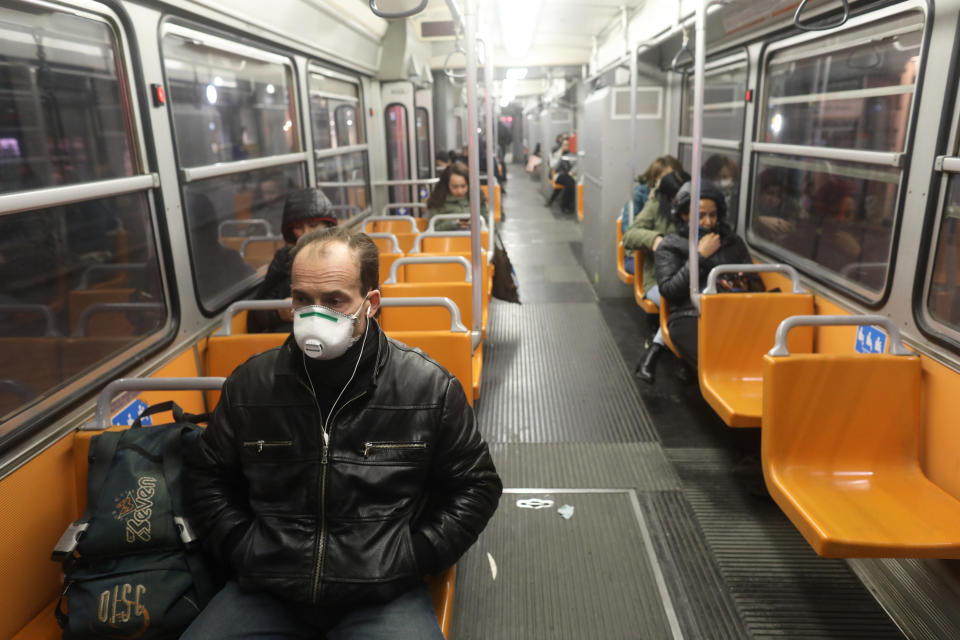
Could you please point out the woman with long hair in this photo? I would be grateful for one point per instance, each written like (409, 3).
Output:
(452, 195)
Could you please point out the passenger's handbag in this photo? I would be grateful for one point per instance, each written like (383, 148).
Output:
(132, 566)
(505, 286)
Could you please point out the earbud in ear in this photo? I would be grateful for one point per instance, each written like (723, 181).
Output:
(369, 312)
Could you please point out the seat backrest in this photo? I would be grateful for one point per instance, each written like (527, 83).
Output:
(838, 411)
(226, 353)
(386, 261)
(260, 252)
(109, 323)
(737, 329)
(400, 225)
(452, 350)
(405, 239)
(451, 244)
(426, 318)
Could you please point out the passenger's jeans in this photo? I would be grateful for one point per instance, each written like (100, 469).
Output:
(233, 613)
(653, 295)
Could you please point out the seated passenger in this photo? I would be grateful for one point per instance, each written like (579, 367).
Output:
(219, 269)
(725, 174)
(718, 244)
(646, 233)
(562, 170)
(337, 470)
(452, 195)
(534, 160)
(646, 183)
(304, 210)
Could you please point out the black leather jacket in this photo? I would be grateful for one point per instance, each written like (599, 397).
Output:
(332, 525)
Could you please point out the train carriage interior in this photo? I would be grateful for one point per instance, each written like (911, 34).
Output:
(797, 475)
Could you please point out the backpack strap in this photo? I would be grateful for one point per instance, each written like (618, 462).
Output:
(160, 407)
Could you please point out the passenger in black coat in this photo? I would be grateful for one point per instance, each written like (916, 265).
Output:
(718, 244)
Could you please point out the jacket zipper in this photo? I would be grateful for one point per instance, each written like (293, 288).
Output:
(367, 446)
(260, 444)
(324, 460)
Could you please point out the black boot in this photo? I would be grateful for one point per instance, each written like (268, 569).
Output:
(647, 367)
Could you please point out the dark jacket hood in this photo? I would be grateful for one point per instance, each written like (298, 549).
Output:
(681, 205)
(305, 205)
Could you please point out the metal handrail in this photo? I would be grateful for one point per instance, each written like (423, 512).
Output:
(413, 223)
(226, 323)
(47, 313)
(401, 205)
(80, 331)
(785, 269)
(259, 222)
(101, 418)
(824, 27)
(431, 225)
(399, 262)
(386, 235)
(399, 14)
(192, 174)
(685, 46)
(895, 345)
(456, 326)
(452, 75)
(249, 239)
(117, 266)
(405, 182)
(68, 194)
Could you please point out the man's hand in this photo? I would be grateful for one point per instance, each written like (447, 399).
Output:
(708, 245)
(656, 242)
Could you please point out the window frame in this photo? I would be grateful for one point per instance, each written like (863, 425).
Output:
(314, 67)
(215, 38)
(897, 159)
(145, 181)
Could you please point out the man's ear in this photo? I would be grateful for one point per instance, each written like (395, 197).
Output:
(373, 300)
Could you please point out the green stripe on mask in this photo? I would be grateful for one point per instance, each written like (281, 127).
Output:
(310, 314)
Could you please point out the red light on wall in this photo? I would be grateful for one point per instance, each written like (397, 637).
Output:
(749, 96)
(159, 95)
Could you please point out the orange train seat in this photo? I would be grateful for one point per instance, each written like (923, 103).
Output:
(625, 278)
(432, 222)
(404, 228)
(451, 346)
(579, 203)
(841, 449)
(447, 242)
(638, 293)
(735, 330)
(497, 215)
(389, 249)
(258, 251)
(664, 329)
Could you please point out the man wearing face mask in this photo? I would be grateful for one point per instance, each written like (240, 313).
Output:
(337, 470)
(717, 245)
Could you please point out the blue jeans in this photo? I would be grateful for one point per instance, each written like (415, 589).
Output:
(653, 295)
(233, 613)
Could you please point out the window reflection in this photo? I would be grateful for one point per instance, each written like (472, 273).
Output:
(344, 179)
(227, 106)
(424, 157)
(838, 215)
(855, 96)
(234, 228)
(398, 167)
(723, 168)
(78, 284)
(943, 299)
(63, 102)
(723, 102)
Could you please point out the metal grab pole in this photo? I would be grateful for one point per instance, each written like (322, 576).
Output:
(633, 123)
(473, 162)
(491, 167)
(694, 240)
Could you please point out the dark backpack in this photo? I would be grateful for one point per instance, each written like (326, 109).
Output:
(132, 566)
(504, 277)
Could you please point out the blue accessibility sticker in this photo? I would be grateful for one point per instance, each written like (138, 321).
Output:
(130, 413)
(424, 192)
(870, 340)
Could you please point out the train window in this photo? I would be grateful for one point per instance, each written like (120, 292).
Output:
(342, 155)
(834, 123)
(725, 85)
(229, 102)
(80, 278)
(236, 133)
(398, 145)
(65, 107)
(424, 157)
(943, 288)
(233, 223)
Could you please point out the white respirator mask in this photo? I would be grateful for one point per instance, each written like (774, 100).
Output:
(322, 333)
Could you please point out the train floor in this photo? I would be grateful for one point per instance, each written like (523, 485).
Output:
(629, 510)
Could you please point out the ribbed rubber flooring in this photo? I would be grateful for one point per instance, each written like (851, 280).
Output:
(586, 577)
(552, 373)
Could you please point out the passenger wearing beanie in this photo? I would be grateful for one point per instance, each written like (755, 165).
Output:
(718, 244)
(304, 210)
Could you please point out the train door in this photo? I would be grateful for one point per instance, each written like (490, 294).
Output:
(399, 113)
(425, 147)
